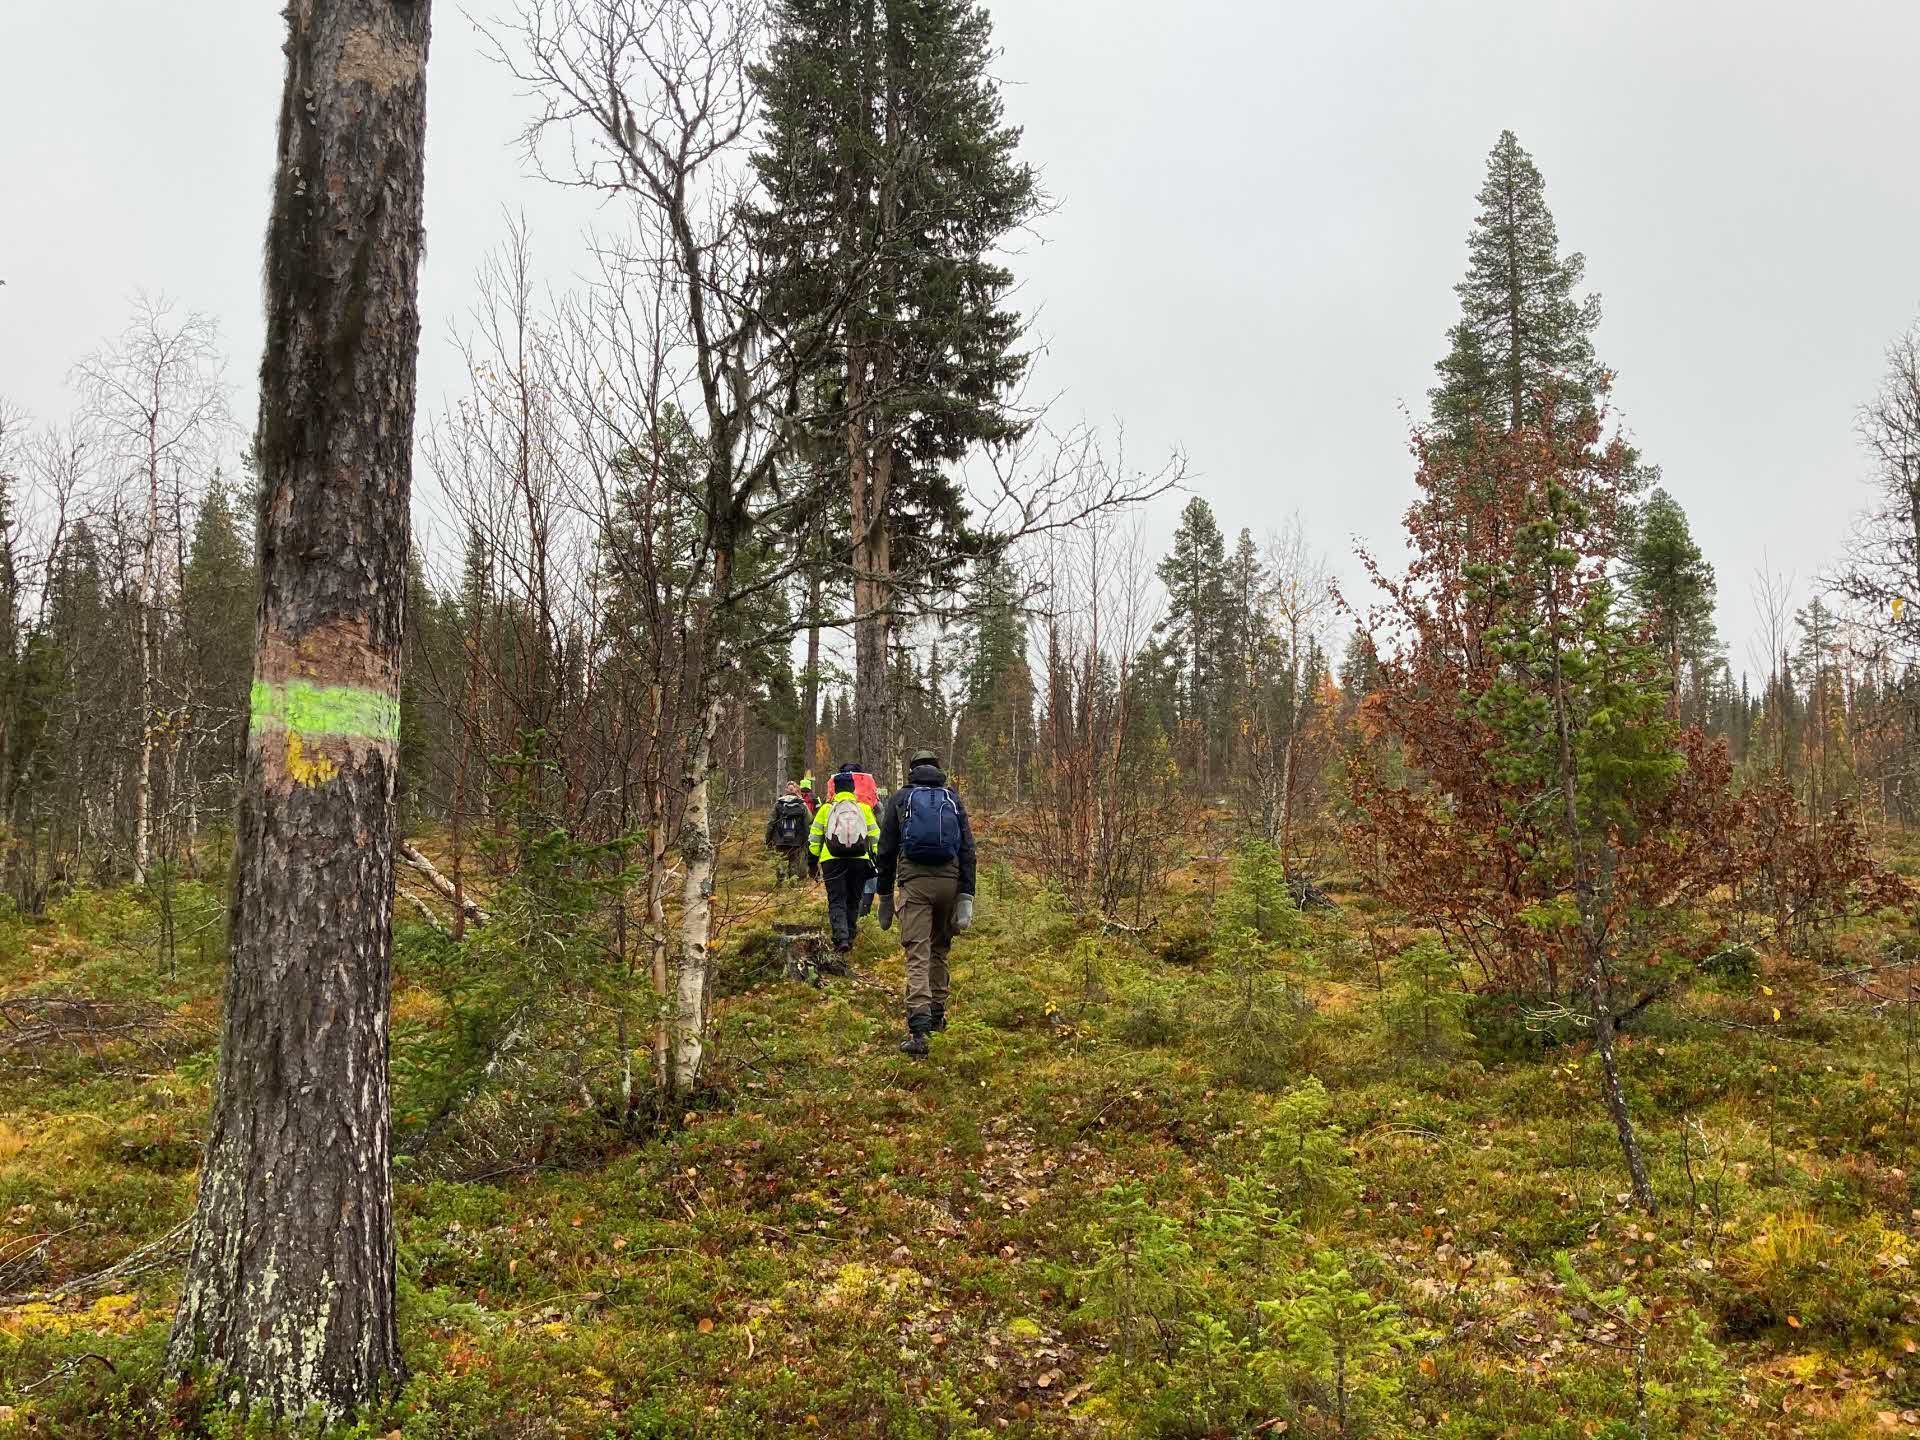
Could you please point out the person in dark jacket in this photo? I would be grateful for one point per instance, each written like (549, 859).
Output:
(787, 831)
(926, 850)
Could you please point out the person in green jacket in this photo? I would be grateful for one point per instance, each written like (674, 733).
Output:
(841, 844)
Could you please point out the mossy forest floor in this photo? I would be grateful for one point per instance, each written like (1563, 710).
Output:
(1141, 1187)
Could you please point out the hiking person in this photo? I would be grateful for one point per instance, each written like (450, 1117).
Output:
(841, 844)
(806, 794)
(787, 830)
(926, 846)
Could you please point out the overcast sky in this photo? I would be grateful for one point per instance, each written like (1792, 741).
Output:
(1263, 209)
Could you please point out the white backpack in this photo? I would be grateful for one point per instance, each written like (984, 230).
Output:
(846, 829)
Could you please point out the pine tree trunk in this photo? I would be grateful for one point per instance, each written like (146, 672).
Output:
(289, 1290)
(1673, 669)
(873, 699)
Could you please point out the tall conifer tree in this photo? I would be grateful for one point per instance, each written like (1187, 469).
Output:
(1194, 573)
(219, 593)
(891, 179)
(1522, 327)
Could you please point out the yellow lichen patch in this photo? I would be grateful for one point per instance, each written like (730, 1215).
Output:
(113, 1313)
(305, 770)
(52, 1145)
(859, 1287)
(852, 1283)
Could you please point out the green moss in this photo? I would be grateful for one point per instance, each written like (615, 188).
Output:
(838, 1240)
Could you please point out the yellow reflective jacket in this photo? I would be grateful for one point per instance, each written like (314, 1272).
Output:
(817, 840)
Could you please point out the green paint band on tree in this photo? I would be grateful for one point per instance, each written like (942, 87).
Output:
(326, 710)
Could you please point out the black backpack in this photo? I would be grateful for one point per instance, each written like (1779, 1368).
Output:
(789, 822)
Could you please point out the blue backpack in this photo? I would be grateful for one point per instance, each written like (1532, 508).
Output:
(930, 825)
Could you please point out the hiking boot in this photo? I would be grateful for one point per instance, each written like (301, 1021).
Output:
(918, 1024)
(939, 1021)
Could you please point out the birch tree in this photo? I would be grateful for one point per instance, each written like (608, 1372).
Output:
(158, 405)
(652, 104)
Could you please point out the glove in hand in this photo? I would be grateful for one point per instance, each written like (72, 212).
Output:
(963, 913)
(886, 911)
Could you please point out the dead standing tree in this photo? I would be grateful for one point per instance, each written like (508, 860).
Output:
(1879, 580)
(289, 1291)
(1881, 574)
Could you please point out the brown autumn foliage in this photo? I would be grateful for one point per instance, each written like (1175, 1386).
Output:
(1804, 875)
(1460, 842)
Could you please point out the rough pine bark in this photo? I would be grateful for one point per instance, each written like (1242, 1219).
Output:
(289, 1292)
(873, 681)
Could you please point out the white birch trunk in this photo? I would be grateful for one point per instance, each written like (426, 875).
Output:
(696, 914)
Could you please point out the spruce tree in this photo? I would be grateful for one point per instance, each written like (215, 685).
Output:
(890, 180)
(87, 637)
(219, 593)
(996, 707)
(1194, 573)
(1246, 649)
(1672, 588)
(1522, 329)
(1829, 775)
